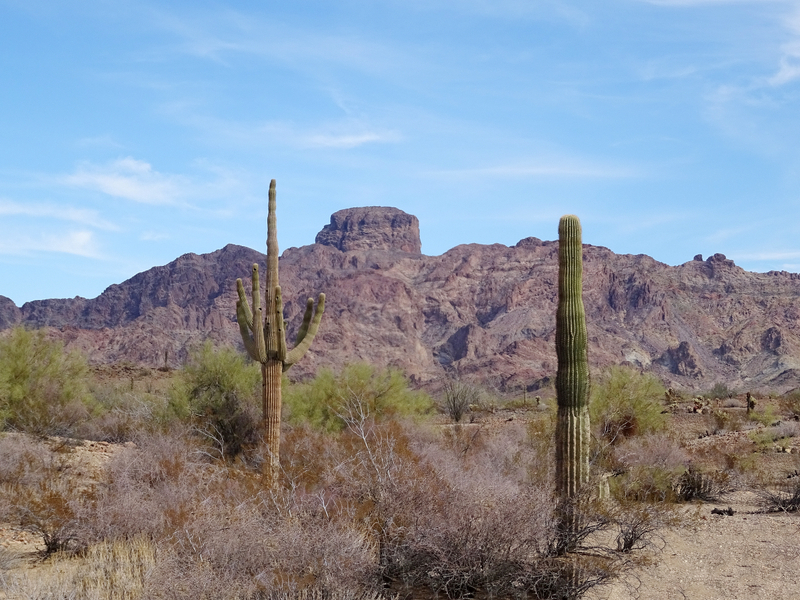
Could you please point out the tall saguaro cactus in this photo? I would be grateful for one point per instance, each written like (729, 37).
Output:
(264, 335)
(572, 377)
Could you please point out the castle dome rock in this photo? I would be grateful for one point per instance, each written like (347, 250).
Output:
(372, 228)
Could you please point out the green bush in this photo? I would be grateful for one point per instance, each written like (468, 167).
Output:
(720, 391)
(43, 388)
(378, 393)
(647, 483)
(219, 387)
(790, 403)
(625, 403)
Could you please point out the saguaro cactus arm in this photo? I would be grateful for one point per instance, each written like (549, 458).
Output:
(247, 314)
(250, 320)
(280, 333)
(242, 311)
(304, 342)
(301, 333)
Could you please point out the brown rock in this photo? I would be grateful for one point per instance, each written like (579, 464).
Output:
(682, 361)
(10, 315)
(372, 228)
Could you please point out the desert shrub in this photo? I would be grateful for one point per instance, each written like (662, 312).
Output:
(655, 449)
(626, 403)
(152, 488)
(640, 525)
(720, 391)
(790, 403)
(646, 483)
(457, 397)
(733, 403)
(766, 415)
(221, 388)
(695, 484)
(785, 498)
(36, 496)
(324, 401)
(123, 414)
(722, 420)
(43, 388)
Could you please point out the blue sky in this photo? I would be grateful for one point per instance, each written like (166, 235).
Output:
(134, 132)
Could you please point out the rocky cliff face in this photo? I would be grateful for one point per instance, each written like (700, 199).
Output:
(372, 228)
(485, 312)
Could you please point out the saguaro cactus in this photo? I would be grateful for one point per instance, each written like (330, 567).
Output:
(572, 377)
(267, 343)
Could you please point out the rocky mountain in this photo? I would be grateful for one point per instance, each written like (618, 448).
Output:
(484, 312)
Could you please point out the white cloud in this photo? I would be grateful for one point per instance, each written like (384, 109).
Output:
(344, 134)
(789, 68)
(131, 179)
(86, 217)
(78, 243)
(346, 140)
(99, 141)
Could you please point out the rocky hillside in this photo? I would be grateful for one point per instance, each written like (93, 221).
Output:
(486, 312)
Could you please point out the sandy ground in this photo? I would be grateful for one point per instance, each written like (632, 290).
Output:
(748, 555)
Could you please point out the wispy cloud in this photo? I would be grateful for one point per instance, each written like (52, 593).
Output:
(347, 140)
(153, 236)
(548, 168)
(130, 179)
(720, 235)
(771, 256)
(705, 2)
(78, 243)
(98, 141)
(502, 9)
(344, 134)
(83, 216)
(222, 35)
(789, 68)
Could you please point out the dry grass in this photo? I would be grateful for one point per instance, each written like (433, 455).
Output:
(105, 571)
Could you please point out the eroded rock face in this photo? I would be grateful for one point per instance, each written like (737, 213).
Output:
(682, 361)
(486, 312)
(372, 228)
(10, 315)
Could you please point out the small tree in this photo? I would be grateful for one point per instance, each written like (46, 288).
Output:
(625, 403)
(458, 396)
(220, 389)
(382, 393)
(266, 343)
(43, 388)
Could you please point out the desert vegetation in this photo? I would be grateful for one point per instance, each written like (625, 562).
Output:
(380, 494)
(139, 483)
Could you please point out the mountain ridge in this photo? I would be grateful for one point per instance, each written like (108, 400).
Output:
(485, 312)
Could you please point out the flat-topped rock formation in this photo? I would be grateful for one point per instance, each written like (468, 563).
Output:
(372, 228)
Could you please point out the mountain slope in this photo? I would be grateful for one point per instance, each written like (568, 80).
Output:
(483, 311)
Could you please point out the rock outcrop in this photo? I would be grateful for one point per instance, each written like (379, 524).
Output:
(372, 228)
(10, 315)
(484, 311)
